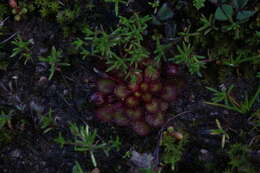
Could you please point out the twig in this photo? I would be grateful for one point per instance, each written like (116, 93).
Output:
(3, 21)
(9, 38)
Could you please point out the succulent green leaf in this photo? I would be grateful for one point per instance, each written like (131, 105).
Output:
(245, 14)
(165, 12)
(224, 12)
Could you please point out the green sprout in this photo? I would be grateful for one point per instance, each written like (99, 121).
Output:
(54, 60)
(230, 102)
(85, 140)
(22, 49)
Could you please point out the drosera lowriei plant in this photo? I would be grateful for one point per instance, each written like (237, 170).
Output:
(140, 103)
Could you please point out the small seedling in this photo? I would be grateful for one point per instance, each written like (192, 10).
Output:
(47, 122)
(54, 60)
(186, 56)
(85, 140)
(230, 102)
(22, 49)
(236, 61)
(173, 148)
(208, 25)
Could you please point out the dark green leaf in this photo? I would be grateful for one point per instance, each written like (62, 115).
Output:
(245, 14)
(224, 12)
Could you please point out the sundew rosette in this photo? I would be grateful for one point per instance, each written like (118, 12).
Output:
(141, 105)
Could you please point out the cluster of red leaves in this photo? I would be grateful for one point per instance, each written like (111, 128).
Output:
(141, 104)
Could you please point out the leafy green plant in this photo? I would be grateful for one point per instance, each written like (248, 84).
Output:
(225, 11)
(121, 49)
(186, 56)
(22, 48)
(54, 60)
(86, 140)
(173, 148)
(236, 61)
(47, 122)
(235, 14)
(230, 102)
(208, 25)
(239, 159)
